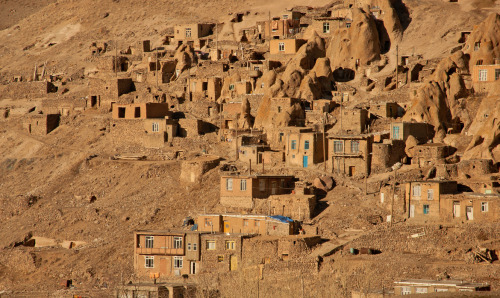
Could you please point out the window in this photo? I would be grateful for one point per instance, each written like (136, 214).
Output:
(195, 247)
(326, 27)
(477, 45)
(279, 109)
(281, 46)
(137, 112)
(210, 244)
(497, 74)
(484, 206)
(188, 32)
(231, 87)
(421, 290)
(479, 62)
(416, 191)
(405, 290)
(426, 209)
(285, 17)
(230, 244)
(483, 75)
(178, 262)
(395, 132)
(229, 184)
(262, 185)
(150, 262)
(294, 144)
(177, 242)
(156, 127)
(189, 246)
(243, 184)
(121, 112)
(441, 290)
(220, 259)
(245, 222)
(430, 194)
(208, 222)
(149, 241)
(337, 146)
(257, 223)
(354, 146)
(306, 145)
(348, 25)
(281, 137)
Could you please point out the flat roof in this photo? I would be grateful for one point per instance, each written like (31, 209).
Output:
(257, 176)
(430, 181)
(449, 283)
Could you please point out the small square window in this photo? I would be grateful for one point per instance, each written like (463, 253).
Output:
(210, 244)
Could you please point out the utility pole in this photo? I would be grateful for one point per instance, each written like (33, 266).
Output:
(341, 102)
(397, 66)
(393, 194)
(217, 40)
(156, 68)
(324, 143)
(116, 57)
(189, 83)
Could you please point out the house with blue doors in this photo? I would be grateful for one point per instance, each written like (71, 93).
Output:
(304, 147)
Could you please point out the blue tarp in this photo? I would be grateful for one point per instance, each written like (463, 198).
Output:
(282, 218)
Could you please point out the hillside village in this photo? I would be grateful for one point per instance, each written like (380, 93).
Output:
(309, 153)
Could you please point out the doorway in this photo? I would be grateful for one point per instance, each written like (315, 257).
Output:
(233, 263)
(352, 171)
(305, 161)
(469, 212)
(412, 211)
(227, 227)
(193, 268)
(456, 209)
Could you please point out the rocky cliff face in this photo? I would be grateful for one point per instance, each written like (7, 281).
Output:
(484, 41)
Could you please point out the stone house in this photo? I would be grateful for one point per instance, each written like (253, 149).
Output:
(325, 26)
(486, 77)
(221, 252)
(241, 191)
(429, 154)
(296, 206)
(281, 29)
(41, 124)
(192, 34)
(350, 154)
(476, 207)
(157, 290)
(251, 153)
(192, 170)
(423, 286)
(420, 130)
(140, 111)
(246, 224)
(166, 253)
(104, 92)
(285, 46)
(386, 110)
(423, 198)
(206, 89)
(304, 147)
(352, 121)
(159, 131)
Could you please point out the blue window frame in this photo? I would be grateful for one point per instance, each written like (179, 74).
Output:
(306, 145)
(426, 209)
(294, 144)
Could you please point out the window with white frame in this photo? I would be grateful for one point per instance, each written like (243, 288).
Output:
(405, 290)
(430, 194)
(149, 241)
(178, 262)
(195, 246)
(211, 244)
(421, 290)
(189, 246)
(230, 244)
(150, 262)
(484, 206)
(243, 184)
(417, 191)
(354, 146)
(188, 32)
(338, 146)
(281, 46)
(229, 184)
(156, 127)
(483, 75)
(177, 242)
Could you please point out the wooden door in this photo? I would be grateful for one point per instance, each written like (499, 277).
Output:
(227, 226)
(469, 212)
(456, 209)
(233, 263)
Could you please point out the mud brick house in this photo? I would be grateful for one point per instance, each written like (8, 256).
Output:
(159, 131)
(192, 170)
(158, 290)
(246, 224)
(420, 130)
(322, 105)
(63, 106)
(104, 92)
(297, 206)
(285, 46)
(423, 198)
(428, 154)
(476, 207)
(386, 110)
(304, 147)
(240, 191)
(192, 34)
(251, 153)
(41, 124)
(282, 28)
(486, 77)
(206, 89)
(167, 253)
(350, 154)
(240, 88)
(353, 121)
(221, 252)
(325, 26)
(423, 286)
(140, 111)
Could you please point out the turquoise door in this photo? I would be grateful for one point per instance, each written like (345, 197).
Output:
(304, 161)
